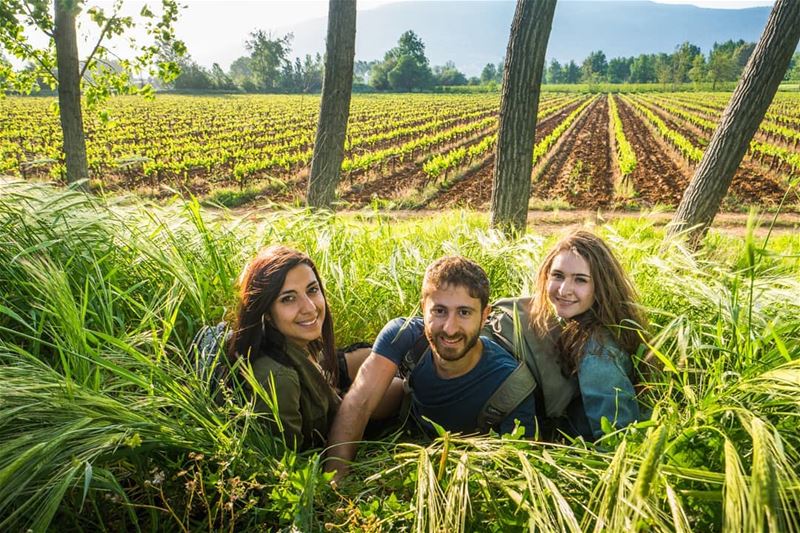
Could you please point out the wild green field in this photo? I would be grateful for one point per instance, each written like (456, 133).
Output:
(104, 424)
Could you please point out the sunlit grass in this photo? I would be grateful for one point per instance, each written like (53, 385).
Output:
(104, 423)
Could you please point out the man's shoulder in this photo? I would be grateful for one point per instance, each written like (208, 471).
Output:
(414, 324)
(397, 337)
(496, 354)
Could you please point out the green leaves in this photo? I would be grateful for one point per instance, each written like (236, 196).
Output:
(543, 146)
(625, 154)
(101, 78)
(684, 146)
(111, 290)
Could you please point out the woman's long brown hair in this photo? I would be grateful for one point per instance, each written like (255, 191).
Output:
(616, 305)
(259, 286)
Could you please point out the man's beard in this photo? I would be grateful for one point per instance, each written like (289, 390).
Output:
(448, 354)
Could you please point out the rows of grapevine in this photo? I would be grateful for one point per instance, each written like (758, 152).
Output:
(773, 141)
(681, 143)
(775, 127)
(406, 142)
(543, 146)
(423, 143)
(441, 164)
(221, 140)
(625, 154)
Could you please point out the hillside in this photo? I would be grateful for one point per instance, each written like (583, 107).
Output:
(475, 33)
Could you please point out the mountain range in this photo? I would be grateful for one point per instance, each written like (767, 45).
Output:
(473, 33)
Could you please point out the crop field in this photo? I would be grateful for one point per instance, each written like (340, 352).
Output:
(107, 424)
(414, 151)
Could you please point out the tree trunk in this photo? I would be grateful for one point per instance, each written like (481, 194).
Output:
(334, 109)
(69, 90)
(522, 78)
(742, 116)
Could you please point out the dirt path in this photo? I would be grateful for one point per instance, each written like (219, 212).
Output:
(549, 222)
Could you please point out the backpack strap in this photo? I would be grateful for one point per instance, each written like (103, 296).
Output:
(508, 396)
(410, 360)
(207, 347)
(505, 328)
(412, 356)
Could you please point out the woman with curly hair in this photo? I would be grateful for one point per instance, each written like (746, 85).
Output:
(578, 331)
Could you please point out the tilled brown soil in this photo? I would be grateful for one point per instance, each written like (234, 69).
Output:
(581, 173)
(657, 178)
(549, 222)
(692, 133)
(400, 179)
(752, 183)
(474, 190)
(405, 182)
(579, 170)
(382, 186)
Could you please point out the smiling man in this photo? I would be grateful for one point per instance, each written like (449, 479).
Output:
(456, 373)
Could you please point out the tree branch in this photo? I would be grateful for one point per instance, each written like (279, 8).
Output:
(34, 54)
(35, 21)
(89, 82)
(97, 44)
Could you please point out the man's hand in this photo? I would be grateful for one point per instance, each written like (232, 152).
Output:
(369, 388)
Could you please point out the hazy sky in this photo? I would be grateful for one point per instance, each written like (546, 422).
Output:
(279, 13)
(724, 4)
(215, 30)
(203, 18)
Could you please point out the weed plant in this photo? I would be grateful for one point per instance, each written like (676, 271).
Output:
(105, 424)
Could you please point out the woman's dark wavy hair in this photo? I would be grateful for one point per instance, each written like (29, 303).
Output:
(259, 286)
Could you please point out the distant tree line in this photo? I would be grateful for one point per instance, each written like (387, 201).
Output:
(268, 68)
(686, 64)
(405, 68)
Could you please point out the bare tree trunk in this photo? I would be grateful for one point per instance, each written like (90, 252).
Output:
(522, 78)
(69, 90)
(742, 116)
(334, 109)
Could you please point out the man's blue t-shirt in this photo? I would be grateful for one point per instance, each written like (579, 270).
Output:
(453, 403)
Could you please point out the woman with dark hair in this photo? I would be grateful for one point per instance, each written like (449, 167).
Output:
(284, 329)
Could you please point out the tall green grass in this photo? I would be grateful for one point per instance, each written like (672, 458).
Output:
(105, 425)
